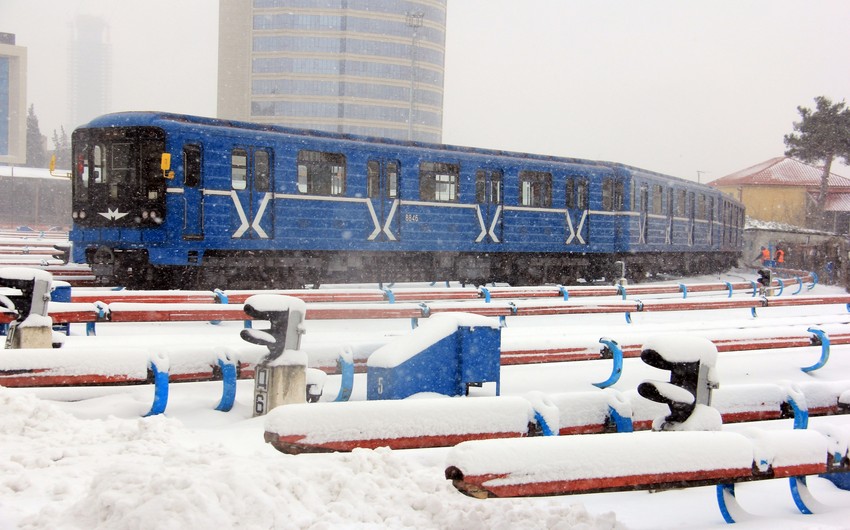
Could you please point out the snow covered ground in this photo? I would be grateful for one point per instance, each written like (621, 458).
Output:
(86, 458)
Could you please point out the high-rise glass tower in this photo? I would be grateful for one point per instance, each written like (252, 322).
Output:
(372, 67)
(90, 70)
(13, 98)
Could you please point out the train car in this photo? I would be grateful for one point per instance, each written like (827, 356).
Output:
(164, 200)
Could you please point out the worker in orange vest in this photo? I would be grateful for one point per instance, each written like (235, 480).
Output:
(765, 257)
(780, 257)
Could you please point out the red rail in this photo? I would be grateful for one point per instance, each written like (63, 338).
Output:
(415, 294)
(158, 312)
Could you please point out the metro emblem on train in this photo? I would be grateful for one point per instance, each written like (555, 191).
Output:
(113, 215)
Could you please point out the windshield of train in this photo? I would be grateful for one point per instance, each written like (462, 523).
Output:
(118, 180)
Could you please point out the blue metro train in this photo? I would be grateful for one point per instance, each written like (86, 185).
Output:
(165, 200)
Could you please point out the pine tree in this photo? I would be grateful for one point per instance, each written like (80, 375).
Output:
(36, 156)
(62, 149)
(821, 136)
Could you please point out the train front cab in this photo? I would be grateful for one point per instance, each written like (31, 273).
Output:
(118, 196)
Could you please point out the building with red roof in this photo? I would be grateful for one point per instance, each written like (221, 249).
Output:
(784, 190)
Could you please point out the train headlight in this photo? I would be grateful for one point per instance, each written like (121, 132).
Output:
(82, 214)
(75, 214)
(144, 214)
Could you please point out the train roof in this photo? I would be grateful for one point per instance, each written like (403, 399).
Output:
(151, 117)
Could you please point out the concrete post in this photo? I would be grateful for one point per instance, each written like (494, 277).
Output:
(32, 328)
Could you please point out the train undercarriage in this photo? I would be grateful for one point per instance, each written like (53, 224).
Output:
(297, 269)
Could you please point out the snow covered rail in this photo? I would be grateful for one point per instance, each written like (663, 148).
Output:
(692, 448)
(225, 297)
(408, 424)
(154, 312)
(77, 275)
(153, 297)
(520, 350)
(630, 461)
(424, 294)
(129, 366)
(404, 424)
(26, 250)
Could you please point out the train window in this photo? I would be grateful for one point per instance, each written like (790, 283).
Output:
(535, 189)
(97, 174)
(480, 186)
(680, 203)
(121, 157)
(438, 181)
(612, 194)
(582, 195)
(321, 173)
(571, 193)
(496, 187)
(392, 180)
(644, 198)
(373, 179)
(657, 199)
(238, 169)
(669, 202)
(701, 206)
(619, 195)
(90, 170)
(81, 171)
(262, 170)
(608, 194)
(191, 165)
(152, 185)
(446, 187)
(488, 190)
(632, 194)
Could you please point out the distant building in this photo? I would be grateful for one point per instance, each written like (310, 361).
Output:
(372, 67)
(13, 101)
(35, 198)
(784, 190)
(90, 69)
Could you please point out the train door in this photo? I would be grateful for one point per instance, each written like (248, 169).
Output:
(382, 183)
(668, 238)
(613, 197)
(488, 196)
(193, 205)
(643, 202)
(691, 216)
(710, 211)
(251, 185)
(577, 195)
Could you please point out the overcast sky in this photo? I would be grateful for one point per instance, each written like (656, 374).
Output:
(674, 86)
